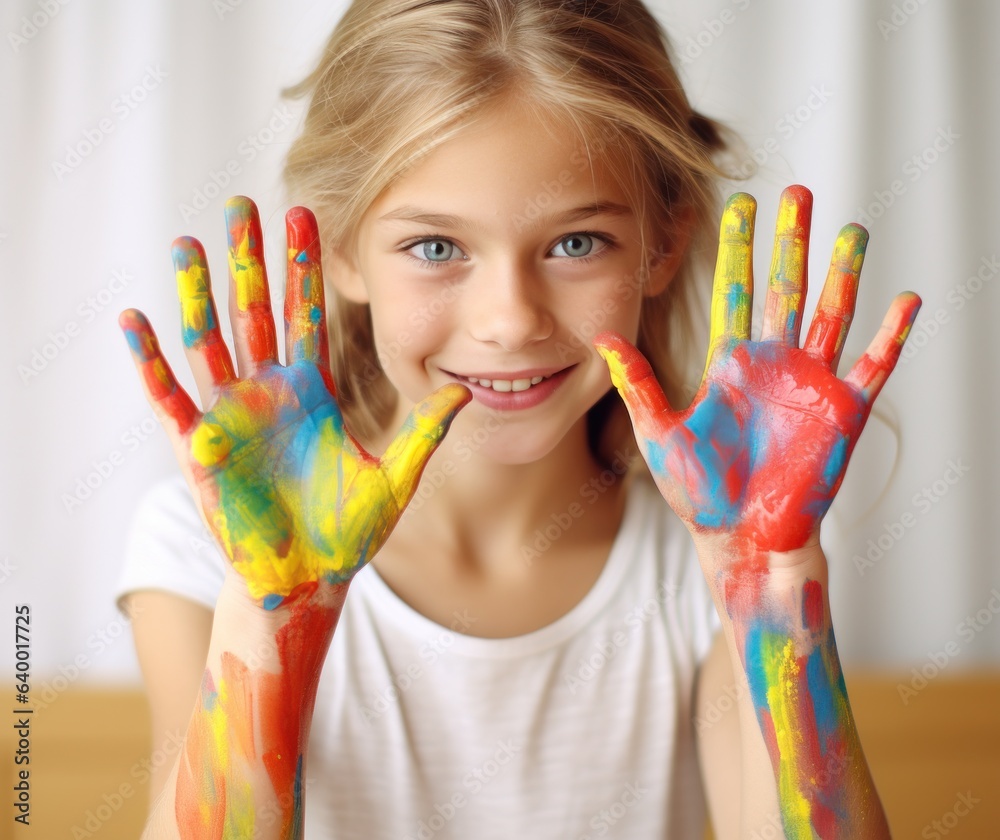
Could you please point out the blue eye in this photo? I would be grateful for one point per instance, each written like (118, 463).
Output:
(435, 251)
(577, 245)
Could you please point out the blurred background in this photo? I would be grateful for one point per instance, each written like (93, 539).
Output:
(126, 125)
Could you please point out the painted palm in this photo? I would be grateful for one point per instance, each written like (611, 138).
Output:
(291, 496)
(762, 449)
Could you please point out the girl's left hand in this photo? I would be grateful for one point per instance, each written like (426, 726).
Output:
(760, 453)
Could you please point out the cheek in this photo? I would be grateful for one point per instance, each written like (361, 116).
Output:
(407, 329)
(617, 307)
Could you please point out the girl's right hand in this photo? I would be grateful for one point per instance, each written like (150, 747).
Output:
(291, 496)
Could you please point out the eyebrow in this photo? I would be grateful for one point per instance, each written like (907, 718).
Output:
(410, 213)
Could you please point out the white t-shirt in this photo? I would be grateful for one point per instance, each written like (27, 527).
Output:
(581, 729)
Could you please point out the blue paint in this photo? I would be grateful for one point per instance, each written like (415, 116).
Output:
(209, 696)
(716, 443)
(273, 601)
(295, 830)
(835, 462)
(735, 297)
(192, 335)
(756, 673)
(824, 706)
(656, 457)
(135, 343)
(302, 257)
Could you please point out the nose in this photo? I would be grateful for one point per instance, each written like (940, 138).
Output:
(508, 306)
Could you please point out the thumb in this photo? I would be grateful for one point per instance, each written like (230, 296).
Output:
(425, 427)
(632, 375)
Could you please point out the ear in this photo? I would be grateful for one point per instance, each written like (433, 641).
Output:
(667, 258)
(341, 271)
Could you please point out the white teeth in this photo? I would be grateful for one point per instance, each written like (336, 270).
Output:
(506, 385)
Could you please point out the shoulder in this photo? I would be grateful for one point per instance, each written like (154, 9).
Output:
(169, 548)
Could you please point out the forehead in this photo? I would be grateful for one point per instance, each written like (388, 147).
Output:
(505, 167)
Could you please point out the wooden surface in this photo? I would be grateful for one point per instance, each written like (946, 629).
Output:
(90, 754)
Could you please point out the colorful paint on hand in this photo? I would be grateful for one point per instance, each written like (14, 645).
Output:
(753, 464)
(296, 504)
(286, 490)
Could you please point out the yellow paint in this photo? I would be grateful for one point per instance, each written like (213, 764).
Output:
(210, 444)
(788, 267)
(248, 273)
(782, 698)
(616, 367)
(732, 289)
(192, 288)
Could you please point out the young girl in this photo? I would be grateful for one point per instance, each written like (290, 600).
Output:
(509, 196)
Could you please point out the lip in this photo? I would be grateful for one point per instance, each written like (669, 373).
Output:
(515, 400)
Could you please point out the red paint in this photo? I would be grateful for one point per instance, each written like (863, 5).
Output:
(812, 606)
(243, 222)
(157, 377)
(302, 647)
(283, 701)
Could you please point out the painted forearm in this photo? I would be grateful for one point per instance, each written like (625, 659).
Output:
(242, 769)
(784, 642)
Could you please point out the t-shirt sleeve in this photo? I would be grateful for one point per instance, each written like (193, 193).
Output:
(168, 548)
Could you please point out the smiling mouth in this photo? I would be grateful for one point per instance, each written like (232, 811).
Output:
(506, 385)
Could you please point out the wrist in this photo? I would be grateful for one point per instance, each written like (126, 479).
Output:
(244, 627)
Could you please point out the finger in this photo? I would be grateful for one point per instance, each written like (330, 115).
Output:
(835, 309)
(168, 399)
(732, 291)
(632, 375)
(305, 308)
(872, 370)
(788, 282)
(249, 298)
(420, 435)
(205, 347)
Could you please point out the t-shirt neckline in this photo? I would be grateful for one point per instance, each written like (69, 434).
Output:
(385, 602)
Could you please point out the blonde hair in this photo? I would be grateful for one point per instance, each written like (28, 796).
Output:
(400, 77)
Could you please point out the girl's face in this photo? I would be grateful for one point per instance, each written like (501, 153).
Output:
(493, 262)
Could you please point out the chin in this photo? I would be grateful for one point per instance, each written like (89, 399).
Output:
(508, 439)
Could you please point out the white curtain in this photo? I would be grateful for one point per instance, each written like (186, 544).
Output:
(126, 125)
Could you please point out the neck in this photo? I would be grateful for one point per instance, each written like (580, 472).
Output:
(485, 515)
